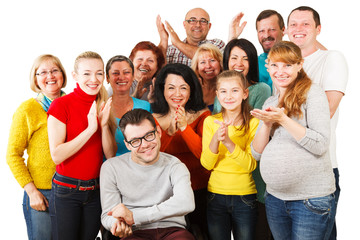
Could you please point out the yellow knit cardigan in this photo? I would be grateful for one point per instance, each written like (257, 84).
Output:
(29, 132)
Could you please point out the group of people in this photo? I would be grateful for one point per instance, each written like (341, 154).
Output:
(194, 140)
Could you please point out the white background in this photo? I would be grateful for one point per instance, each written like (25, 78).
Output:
(109, 27)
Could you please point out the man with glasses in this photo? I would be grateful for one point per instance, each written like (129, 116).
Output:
(197, 25)
(145, 193)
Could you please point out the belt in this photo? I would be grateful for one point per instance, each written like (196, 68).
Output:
(90, 188)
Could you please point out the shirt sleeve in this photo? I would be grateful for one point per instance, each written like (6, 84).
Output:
(317, 113)
(193, 138)
(180, 204)
(109, 193)
(19, 137)
(335, 72)
(208, 159)
(243, 157)
(57, 109)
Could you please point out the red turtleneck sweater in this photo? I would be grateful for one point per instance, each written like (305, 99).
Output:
(72, 110)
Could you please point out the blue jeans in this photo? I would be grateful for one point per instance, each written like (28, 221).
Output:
(226, 213)
(332, 231)
(301, 219)
(37, 222)
(75, 214)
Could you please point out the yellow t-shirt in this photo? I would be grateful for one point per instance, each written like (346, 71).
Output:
(29, 132)
(231, 173)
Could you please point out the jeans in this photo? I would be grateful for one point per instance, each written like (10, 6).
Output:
(37, 222)
(332, 230)
(75, 214)
(301, 219)
(226, 213)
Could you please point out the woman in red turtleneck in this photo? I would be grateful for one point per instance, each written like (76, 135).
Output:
(80, 132)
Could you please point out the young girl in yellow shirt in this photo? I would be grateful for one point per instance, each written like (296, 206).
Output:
(227, 153)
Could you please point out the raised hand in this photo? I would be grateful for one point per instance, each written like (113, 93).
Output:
(151, 91)
(173, 35)
(181, 121)
(235, 28)
(164, 35)
(222, 132)
(270, 115)
(172, 129)
(140, 90)
(104, 113)
(92, 118)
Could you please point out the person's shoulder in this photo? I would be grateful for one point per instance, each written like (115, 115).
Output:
(215, 41)
(63, 100)
(117, 161)
(315, 90)
(29, 108)
(139, 103)
(171, 161)
(254, 122)
(29, 104)
(263, 56)
(262, 86)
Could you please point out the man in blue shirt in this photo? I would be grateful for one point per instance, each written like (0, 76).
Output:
(270, 30)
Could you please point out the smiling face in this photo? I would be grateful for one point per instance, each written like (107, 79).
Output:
(197, 32)
(269, 32)
(176, 91)
(148, 152)
(208, 66)
(49, 79)
(145, 64)
(230, 93)
(238, 60)
(303, 31)
(120, 77)
(283, 74)
(89, 75)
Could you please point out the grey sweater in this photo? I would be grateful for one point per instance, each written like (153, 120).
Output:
(296, 170)
(159, 195)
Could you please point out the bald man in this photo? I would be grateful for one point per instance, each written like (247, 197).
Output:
(197, 25)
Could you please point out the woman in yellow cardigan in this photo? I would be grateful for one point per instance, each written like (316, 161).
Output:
(29, 132)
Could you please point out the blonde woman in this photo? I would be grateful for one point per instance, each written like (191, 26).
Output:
(28, 133)
(80, 133)
(207, 64)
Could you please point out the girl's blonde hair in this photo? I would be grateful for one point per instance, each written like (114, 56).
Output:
(296, 93)
(245, 107)
(102, 95)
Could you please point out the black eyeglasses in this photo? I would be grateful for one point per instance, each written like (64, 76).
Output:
(202, 21)
(136, 142)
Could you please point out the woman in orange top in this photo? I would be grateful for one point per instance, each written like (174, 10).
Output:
(180, 111)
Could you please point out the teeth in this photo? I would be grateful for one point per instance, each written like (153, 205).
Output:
(209, 72)
(52, 82)
(143, 70)
(121, 83)
(239, 70)
(299, 36)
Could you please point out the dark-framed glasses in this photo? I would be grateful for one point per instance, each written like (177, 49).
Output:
(52, 72)
(193, 21)
(136, 142)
